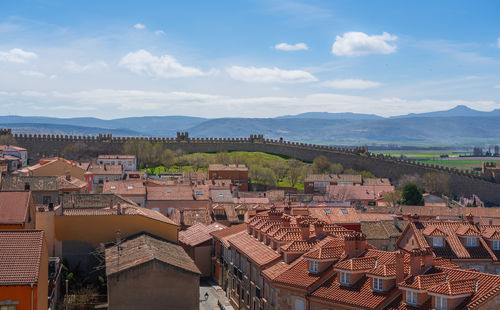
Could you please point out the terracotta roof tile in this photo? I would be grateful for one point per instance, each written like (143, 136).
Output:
(224, 234)
(457, 287)
(358, 263)
(106, 169)
(198, 233)
(257, 251)
(14, 207)
(20, 256)
(145, 248)
(125, 188)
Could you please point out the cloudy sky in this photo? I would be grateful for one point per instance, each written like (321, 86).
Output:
(258, 58)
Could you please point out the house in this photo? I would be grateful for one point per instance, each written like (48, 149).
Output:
(465, 243)
(11, 163)
(383, 234)
(17, 210)
(58, 166)
(188, 217)
(317, 183)
(376, 181)
(24, 265)
(68, 184)
(238, 174)
(16, 151)
(197, 242)
(179, 196)
(45, 189)
(147, 272)
(431, 200)
(346, 217)
(362, 194)
(97, 175)
(129, 162)
(130, 189)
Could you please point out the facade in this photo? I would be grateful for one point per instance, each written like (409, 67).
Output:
(464, 242)
(197, 242)
(99, 174)
(16, 151)
(238, 174)
(146, 272)
(17, 210)
(11, 163)
(129, 162)
(45, 189)
(130, 189)
(317, 183)
(24, 270)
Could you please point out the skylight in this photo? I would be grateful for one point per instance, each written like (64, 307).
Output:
(344, 211)
(130, 187)
(113, 187)
(328, 211)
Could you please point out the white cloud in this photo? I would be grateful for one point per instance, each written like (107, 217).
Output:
(76, 67)
(139, 26)
(291, 47)
(269, 75)
(159, 32)
(359, 43)
(166, 66)
(350, 84)
(37, 74)
(17, 55)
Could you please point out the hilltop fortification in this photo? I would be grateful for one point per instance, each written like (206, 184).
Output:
(461, 183)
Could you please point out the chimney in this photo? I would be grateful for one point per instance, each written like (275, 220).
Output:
(427, 258)
(26, 186)
(354, 244)
(118, 208)
(400, 266)
(68, 176)
(51, 206)
(287, 210)
(318, 228)
(470, 218)
(304, 230)
(415, 262)
(286, 222)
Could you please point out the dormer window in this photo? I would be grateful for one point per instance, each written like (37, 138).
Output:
(378, 284)
(438, 242)
(345, 278)
(441, 303)
(411, 298)
(471, 242)
(496, 244)
(313, 266)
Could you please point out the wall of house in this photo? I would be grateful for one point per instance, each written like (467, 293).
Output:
(97, 229)
(493, 304)
(163, 206)
(43, 278)
(21, 294)
(45, 222)
(57, 168)
(461, 183)
(202, 259)
(153, 285)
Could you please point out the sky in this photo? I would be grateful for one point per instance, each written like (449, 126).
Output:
(255, 58)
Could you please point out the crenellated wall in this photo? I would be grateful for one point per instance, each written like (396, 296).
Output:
(462, 183)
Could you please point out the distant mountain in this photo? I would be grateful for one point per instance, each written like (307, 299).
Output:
(459, 110)
(327, 115)
(55, 129)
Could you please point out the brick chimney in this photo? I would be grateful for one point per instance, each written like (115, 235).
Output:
(415, 262)
(288, 209)
(427, 258)
(274, 214)
(354, 244)
(304, 229)
(286, 222)
(318, 228)
(400, 266)
(470, 218)
(68, 176)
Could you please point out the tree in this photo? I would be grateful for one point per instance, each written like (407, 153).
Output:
(223, 158)
(168, 158)
(7, 140)
(321, 164)
(412, 195)
(392, 199)
(263, 175)
(409, 179)
(437, 183)
(295, 171)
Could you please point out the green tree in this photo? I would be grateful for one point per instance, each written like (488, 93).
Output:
(412, 195)
(168, 158)
(295, 171)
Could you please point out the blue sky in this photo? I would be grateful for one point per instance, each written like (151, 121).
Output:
(257, 58)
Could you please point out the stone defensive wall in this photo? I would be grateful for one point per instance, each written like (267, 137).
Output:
(461, 183)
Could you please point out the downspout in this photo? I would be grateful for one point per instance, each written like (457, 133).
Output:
(31, 284)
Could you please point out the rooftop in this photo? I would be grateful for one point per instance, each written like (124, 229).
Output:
(106, 169)
(335, 178)
(198, 233)
(36, 183)
(235, 167)
(14, 207)
(127, 188)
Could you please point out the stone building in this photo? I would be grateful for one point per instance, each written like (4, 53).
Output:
(147, 272)
(238, 174)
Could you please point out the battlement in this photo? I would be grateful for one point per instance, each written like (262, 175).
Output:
(5, 132)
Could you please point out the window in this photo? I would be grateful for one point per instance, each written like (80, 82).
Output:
(299, 305)
(437, 242)
(344, 211)
(496, 244)
(328, 211)
(113, 187)
(471, 242)
(46, 200)
(8, 307)
(411, 297)
(130, 187)
(440, 303)
(377, 284)
(313, 266)
(345, 278)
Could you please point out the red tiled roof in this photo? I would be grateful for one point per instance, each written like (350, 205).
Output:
(198, 233)
(358, 263)
(257, 251)
(357, 192)
(20, 256)
(220, 167)
(178, 192)
(467, 230)
(491, 233)
(125, 188)
(145, 248)
(73, 183)
(14, 207)
(335, 178)
(228, 232)
(457, 287)
(433, 231)
(106, 169)
(425, 281)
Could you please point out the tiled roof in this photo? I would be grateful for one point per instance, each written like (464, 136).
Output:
(178, 192)
(106, 169)
(335, 215)
(383, 229)
(457, 287)
(491, 233)
(326, 252)
(228, 232)
(72, 183)
(425, 281)
(357, 263)
(221, 195)
(257, 251)
(145, 248)
(467, 230)
(251, 200)
(14, 207)
(198, 233)
(433, 231)
(219, 167)
(92, 200)
(131, 188)
(354, 178)
(357, 192)
(37, 183)
(49, 161)
(376, 181)
(374, 217)
(20, 256)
